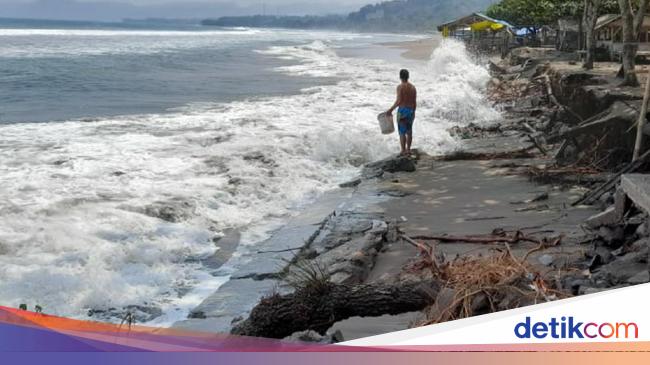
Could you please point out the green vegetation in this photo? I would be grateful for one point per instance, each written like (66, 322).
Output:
(541, 12)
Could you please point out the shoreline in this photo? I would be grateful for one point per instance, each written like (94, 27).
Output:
(462, 208)
(418, 50)
(255, 279)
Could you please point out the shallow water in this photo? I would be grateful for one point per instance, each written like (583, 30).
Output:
(116, 203)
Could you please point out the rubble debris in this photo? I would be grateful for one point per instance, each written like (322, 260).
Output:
(612, 182)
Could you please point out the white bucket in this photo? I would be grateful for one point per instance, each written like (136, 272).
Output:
(386, 123)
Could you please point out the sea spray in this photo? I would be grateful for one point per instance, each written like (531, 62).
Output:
(458, 86)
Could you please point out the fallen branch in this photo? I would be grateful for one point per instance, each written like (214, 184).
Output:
(537, 144)
(516, 238)
(280, 316)
(478, 156)
(281, 251)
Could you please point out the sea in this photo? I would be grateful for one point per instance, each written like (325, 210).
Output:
(127, 152)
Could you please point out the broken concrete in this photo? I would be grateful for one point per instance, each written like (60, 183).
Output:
(637, 188)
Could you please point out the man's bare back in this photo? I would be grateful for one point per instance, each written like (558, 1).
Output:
(407, 95)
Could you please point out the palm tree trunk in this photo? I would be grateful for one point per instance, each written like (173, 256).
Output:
(632, 25)
(590, 17)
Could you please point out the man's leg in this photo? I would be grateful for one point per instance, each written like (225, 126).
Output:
(409, 141)
(402, 143)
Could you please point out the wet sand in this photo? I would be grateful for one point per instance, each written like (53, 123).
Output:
(419, 50)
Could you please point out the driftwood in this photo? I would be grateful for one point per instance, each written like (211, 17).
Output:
(491, 239)
(318, 308)
(528, 128)
(537, 144)
(560, 151)
(485, 156)
(612, 182)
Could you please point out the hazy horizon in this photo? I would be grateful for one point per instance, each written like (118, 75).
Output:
(116, 10)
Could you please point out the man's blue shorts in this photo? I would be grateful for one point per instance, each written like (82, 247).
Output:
(405, 119)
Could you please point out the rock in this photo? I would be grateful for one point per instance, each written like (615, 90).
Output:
(392, 165)
(643, 230)
(173, 211)
(636, 220)
(540, 197)
(197, 315)
(336, 336)
(640, 278)
(586, 290)
(622, 269)
(307, 336)
(351, 184)
(596, 262)
(612, 236)
(601, 256)
(620, 202)
(235, 181)
(395, 193)
(314, 337)
(575, 284)
(546, 260)
(606, 199)
(139, 313)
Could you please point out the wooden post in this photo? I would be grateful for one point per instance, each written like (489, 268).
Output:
(642, 121)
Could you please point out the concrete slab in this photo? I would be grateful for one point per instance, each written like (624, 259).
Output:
(607, 218)
(637, 188)
(234, 299)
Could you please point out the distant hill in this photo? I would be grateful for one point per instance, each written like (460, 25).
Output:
(389, 16)
(414, 14)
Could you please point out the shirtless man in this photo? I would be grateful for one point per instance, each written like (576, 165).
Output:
(406, 104)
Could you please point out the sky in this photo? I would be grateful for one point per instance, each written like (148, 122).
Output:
(112, 10)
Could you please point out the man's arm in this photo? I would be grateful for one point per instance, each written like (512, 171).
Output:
(398, 101)
(415, 104)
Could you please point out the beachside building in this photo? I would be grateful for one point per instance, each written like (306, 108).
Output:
(480, 32)
(609, 36)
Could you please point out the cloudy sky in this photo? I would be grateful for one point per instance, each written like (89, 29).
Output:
(119, 9)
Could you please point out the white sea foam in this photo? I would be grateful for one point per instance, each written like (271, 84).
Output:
(73, 234)
(92, 42)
